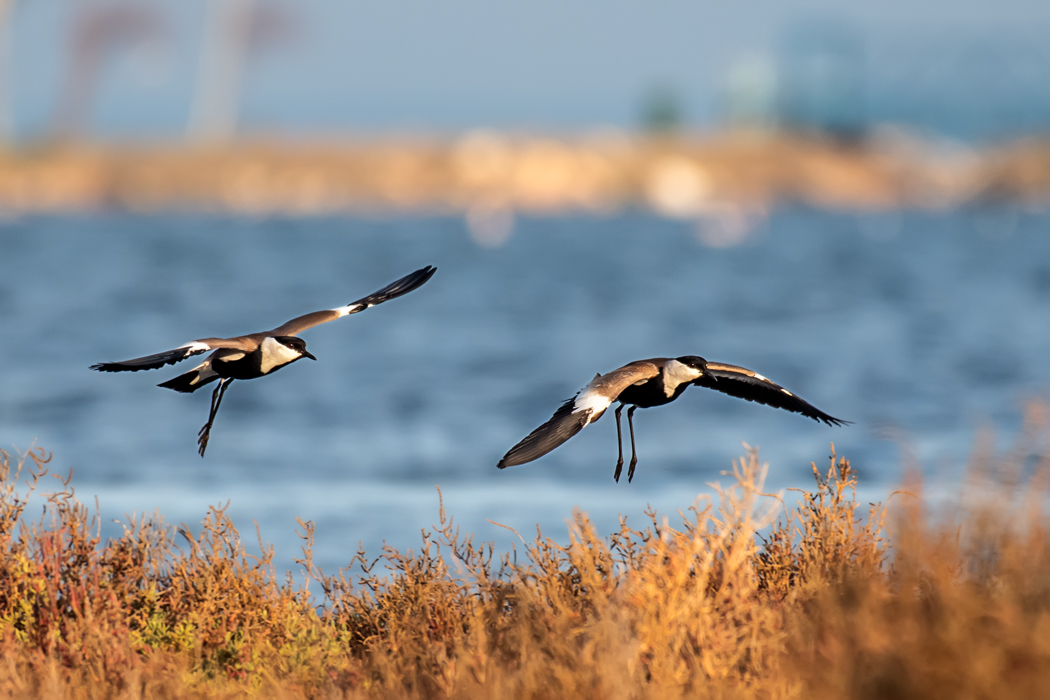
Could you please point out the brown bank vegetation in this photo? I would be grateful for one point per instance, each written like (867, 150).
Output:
(477, 173)
(745, 595)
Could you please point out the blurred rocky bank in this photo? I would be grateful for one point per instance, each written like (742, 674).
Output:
(483, 173)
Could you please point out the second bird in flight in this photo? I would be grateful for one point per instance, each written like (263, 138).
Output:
(647, 383)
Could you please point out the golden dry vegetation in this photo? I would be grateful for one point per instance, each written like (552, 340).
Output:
(745, 595)
(482, 171)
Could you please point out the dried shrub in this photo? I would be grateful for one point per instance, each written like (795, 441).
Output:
(747, 595)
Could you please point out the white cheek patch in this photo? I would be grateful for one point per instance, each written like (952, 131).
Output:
(676, 374)
(275, 354)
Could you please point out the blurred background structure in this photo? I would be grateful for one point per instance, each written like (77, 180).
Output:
(234, 30)
(974, 70)
(99, 34)
(322, 106)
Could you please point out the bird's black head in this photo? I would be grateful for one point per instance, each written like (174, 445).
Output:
(694, 362)
(295, 343)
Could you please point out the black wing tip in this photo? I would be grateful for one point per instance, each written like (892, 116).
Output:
(115, 367)
(418, 278)
(156, 361)
(816, 414)
(409, 283)
(750, 387)
(821, 417)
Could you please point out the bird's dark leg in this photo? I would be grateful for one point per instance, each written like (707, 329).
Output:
(216, 399)
(634, 454)
(619, 444)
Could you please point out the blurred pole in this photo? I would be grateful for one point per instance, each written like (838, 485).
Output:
(213, 114)
(7, 118)
(97, 34)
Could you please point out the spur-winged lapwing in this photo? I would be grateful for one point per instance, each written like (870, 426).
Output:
(648, 383)
(256, 354)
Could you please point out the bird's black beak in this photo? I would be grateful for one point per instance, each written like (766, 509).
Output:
(307, 354)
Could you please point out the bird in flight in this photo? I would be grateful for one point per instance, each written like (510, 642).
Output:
(647, 383)
(256, 354)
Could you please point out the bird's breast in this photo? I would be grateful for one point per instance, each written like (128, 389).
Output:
(237, 365)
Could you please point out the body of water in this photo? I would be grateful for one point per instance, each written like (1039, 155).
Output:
(918, 327)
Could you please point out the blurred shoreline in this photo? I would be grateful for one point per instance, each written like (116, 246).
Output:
(486, 173)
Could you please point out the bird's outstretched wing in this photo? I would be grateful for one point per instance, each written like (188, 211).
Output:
(563, 425)
(586, 407)
(393, 290)
(752, 386)
(170, 357)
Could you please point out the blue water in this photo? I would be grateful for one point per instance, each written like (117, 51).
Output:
(918, 327)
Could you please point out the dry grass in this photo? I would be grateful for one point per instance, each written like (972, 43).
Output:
(744, 596)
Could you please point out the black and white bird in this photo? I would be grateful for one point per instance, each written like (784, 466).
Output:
(256, 354)
(647, 383)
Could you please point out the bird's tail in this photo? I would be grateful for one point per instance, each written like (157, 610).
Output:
(191, 381)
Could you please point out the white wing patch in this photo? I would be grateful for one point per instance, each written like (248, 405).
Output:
(591, 399)
(196, 346)
(349, 309)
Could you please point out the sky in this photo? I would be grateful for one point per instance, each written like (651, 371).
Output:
(970, 68)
